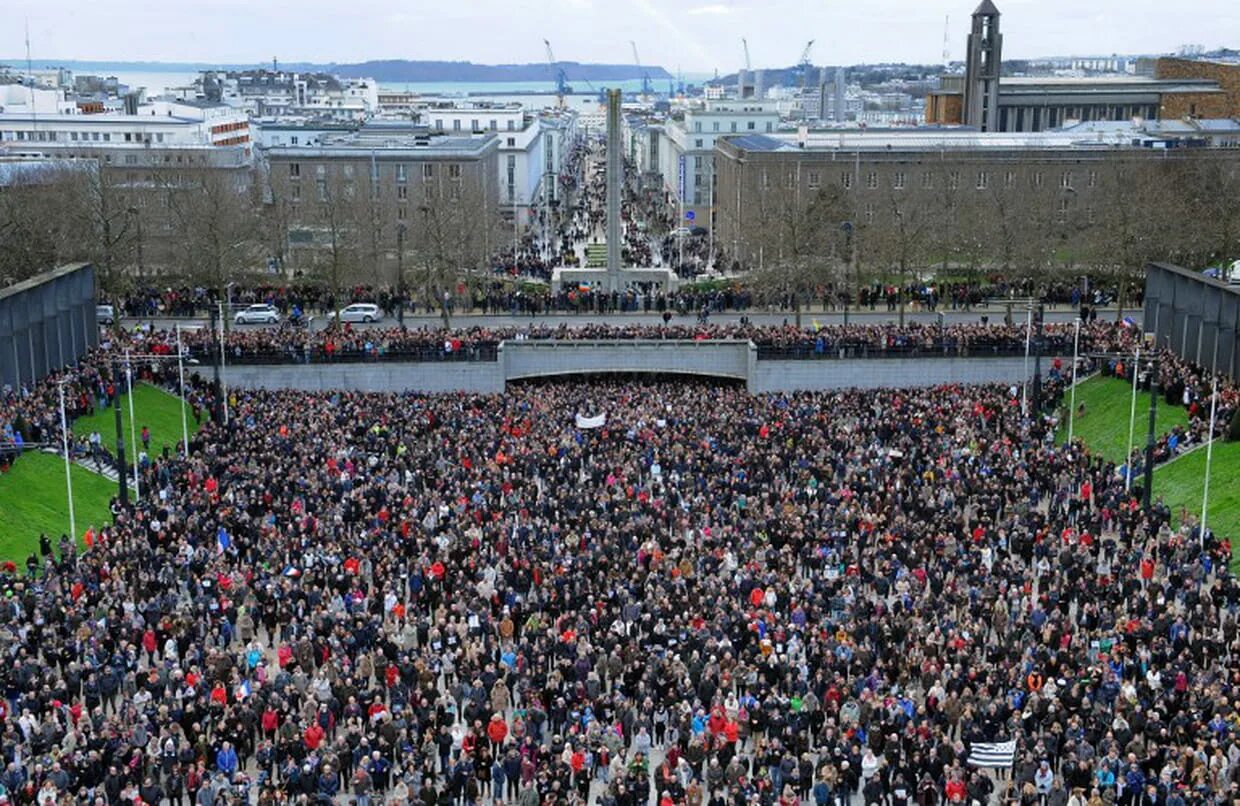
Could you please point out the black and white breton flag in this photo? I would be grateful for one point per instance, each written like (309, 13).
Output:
(993, 754)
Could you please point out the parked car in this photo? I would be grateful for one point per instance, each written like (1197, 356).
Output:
(361, 312)
(105, 314)
(257, 315)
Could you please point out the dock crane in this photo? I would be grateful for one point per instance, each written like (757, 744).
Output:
(745, 45)
(561, 78)
(645, 75)
(805, 65)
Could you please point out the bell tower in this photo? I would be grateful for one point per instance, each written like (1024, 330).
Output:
(982, 67)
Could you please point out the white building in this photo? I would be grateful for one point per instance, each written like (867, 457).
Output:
(278, 93)
(681, 152)
(158, 124)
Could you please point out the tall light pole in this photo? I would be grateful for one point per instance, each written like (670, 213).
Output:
(222, 381)
(1132, 422)
(133, 432)
(121, 472)
(64, 441)
(181, 379)
(1024, 389)
(400, 273)
(1076, 350)
(1149, 434)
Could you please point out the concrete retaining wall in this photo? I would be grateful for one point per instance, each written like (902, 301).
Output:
(809, 375)
(46, 322)
(733, 360)
(482, 377)
(539, 359)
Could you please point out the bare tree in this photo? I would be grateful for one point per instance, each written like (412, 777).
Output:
(796, 241)
(904, 220)
(39, 222)
(449, 237)
(217, 227)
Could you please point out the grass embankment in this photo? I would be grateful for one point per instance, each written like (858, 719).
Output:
(33, 498)
(1180, 483)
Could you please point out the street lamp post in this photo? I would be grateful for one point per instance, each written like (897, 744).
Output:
(1149, 434)
(181, 380)
(133, 433)
(64, 441)
(400, 274)
(121, 471)
(1076, 349)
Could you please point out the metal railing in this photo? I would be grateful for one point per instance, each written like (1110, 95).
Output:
(478, 351)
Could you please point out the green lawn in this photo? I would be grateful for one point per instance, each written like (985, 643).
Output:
(33, 500)
(154, 408)
(1180, 484)
(1104, 425)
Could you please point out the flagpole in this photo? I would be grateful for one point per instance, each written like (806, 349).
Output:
(1076, 349)
(181, 377)
(1132, 422)
(133, 433)
(64, 441)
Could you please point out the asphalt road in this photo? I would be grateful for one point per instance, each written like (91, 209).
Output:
(995, 313)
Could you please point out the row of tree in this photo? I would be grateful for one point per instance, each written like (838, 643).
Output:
(212, 227)
(1124, 213)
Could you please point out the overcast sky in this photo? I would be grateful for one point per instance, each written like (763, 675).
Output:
(691, 35)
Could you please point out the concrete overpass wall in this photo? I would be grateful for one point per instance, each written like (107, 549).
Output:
(734, 360)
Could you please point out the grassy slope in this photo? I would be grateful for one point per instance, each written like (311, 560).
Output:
(154, 408)
(33, 498)
(1180, 484)
(1104, 426)
(32, 493)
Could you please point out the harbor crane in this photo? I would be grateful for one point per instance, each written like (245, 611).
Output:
(805, 65)
(561, 78)
(644, 74)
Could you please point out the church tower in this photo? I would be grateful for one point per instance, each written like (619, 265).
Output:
(981, 82)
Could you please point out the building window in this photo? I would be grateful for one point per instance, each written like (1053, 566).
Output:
(320, 186)
(869, 212)
(512, 142)
(402, 213)
(1037, 179)
(473, 125)
(131, 159)
(428, 170)
(697, 143)
(1009, 179)
(293, 139)
(790, 179)
(456, 124)
(715, 126)
(927, 179)
(697, 126)
(402, 172)
(402, 192)
(512, 125)
(494, 124)
(348, 171)
(294, 170)
(295, 192)
(439, 124)
(1063, 210)
(1093, 180)
(769, 127)
(953, 180)
(454, 171)
(766, 180)
(734, 127)
(871, 180)
(846, 179)
(983, 180)
(814, 180)
(897, 180)
(1065, 180)
(320, 170)
(750, 125)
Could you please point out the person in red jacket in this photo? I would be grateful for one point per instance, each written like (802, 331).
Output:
(497, 731)
(313, 736)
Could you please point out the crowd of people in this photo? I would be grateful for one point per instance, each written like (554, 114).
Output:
(621, 592)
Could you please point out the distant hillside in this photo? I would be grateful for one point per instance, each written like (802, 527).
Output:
(388, 69)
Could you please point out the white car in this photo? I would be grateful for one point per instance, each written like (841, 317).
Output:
(361, 312)
(257, 315)
(105, 314)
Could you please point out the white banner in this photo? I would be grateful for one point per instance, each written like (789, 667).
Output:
(597, 421)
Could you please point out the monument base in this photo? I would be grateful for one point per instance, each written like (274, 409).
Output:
(651, 279)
